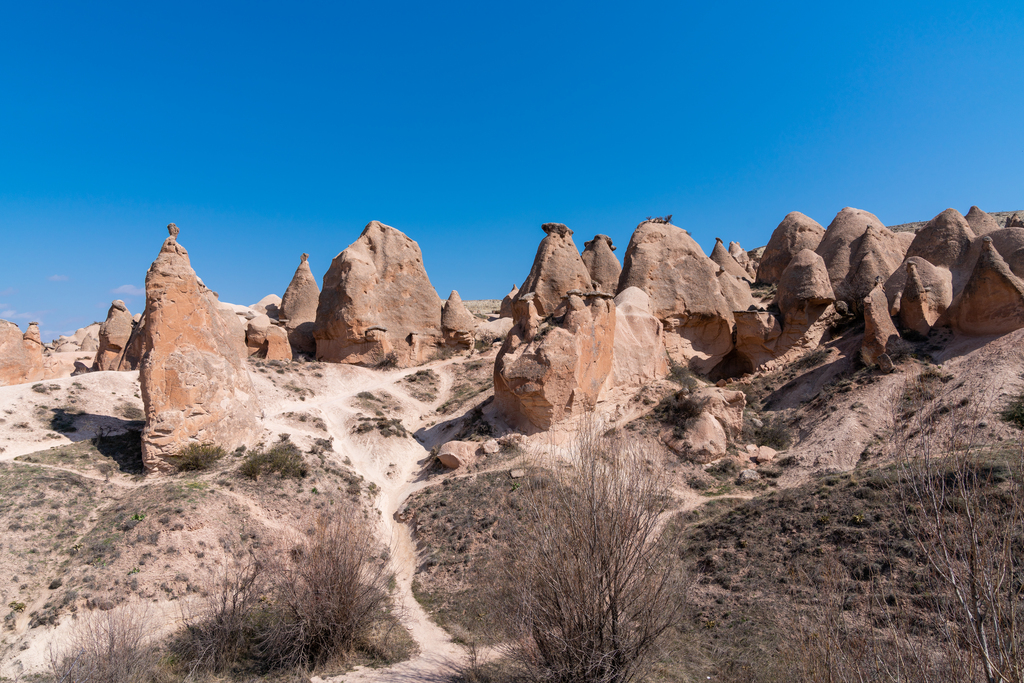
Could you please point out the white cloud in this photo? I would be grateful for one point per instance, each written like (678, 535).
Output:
(58, 278)
(130, 290)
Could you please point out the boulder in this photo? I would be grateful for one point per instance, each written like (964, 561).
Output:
(703, 439)
(879, 330)
(557, 269)
(277, 344)
(114, 335)
(256, 334)
(725, 406)
(639, 353)
(298, 308)
(764, 454)
(721, 256)
(857, 249)
(992, 301)
(601, 263)
(505, 311)
(456, 454)
(919, 293)
(981, 223)
(665, 262)
(795, 233)
(757, 335)
(545, 375)
(21, 355)
(748, 477)
(270, 306)
(458, 325)
(195, 388)
(378, 284)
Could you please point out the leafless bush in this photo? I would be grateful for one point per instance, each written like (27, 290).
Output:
(108, 647)
(588, 587)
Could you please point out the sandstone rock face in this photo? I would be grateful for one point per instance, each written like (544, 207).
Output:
(725, 406)
(703, 440)
(265, 339)
(115, 332)
(804, 290)
(1014, 221)
(21, 355)
(494, 329)
(757, 336)
(992, 301)
(670, 267)
(277, 345)
(298, 308)
(601, 263)
(857, 248)
(378, 284)
(981, 223)
(557, 269)
(458, 325)
(639, 349)
(543, 376)
(795, 233)
(736, 291)
(919, 293)
(506, 304)
(256, 334)
(945, 242)
(721, 256)
(879, 330)
(456, 454)
(270, 306)
(1009, 242)
(194, 386)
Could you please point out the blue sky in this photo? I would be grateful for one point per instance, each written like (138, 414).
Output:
(267, 130)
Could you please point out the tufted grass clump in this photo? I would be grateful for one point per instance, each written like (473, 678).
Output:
(198, 456)
(1014, 411)
(283, 458)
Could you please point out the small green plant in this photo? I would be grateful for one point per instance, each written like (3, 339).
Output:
(198, 456)
(283, 458)
(774, 433)
(18, 607)
(133, 570)
(139, 516)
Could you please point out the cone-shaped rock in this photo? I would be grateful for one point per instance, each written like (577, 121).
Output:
(879, 330)
(944, 241)
(557, 269)
(804, 289)
(1014, 221)
(721, 256)
(506, 304)
(665, 262)
(992, 301)
(298, 308)
(738, 253)
(601, 263)
(377, 299)
(194, 386)
(795, 233)
(857, 249)
(981, 223)
(457, 324)
(115, 332)
(21, 355)
(1009, 242)
(919, 304)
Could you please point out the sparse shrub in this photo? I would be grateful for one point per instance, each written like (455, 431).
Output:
(1014, 411)
(774, 433)
(386, 361)
(131, 412)
(198, 456)
(811, 359)
(63, 420)
(108, 647)
(684, 377)
(283, 458)
(679, 409)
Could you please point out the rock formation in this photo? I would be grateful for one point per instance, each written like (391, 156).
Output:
(458, 325)
(377, 300)
(639, 349)
(724, 259)
(601, 263)
(557, 269)
(115, 332)
(545, 374)
(945, 241)
(795, 233)
(705, 437)
(270, 306)
(919, 293)
(804, 291)
(265, 339)
(857, 249)
(992, 300)
(298, 308)
(21, 355)
(981, 223)
(670, 267)
(194, 386)
(1014, 221)
(879, 330)
(506, 304)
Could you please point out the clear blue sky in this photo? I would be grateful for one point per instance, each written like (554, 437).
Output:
(267, 130)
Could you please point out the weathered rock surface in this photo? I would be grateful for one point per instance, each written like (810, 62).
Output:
(736, 291)
(265, 339)
(670, 267)
(981, 223)
(194, 386)
(545, 375)
(992, 300)
(493, 330)
(724, 405)
(378, 285)
(639, 348)
(21, 355)
(857, 248)
(114, 334)
(879, 330)
(505, 311)
(270, 306)
(804, 290)
(277, 344)
(557, 269)
(298, 308)
(919, 293)
(456, 454)
(721, 256)
(458, 325)
(601, 263)
(945, 241)
(703, 439)
(795, 233)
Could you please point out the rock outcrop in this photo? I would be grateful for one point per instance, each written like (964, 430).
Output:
(981, 223)
(992, 300)
(795, 233)
(21, 355)
(458, 325)
(270, 306)
(1014, 221)
(456, 454)
(557, 269)
(670, 267)
(114, 335)
(377, 300)
(265, 339)
(857, 249)
(721, 256)
(194, 386)
(505, 311)
(879, 330)
(639, 349)
(298, 308)
(545, 374)
(919, 293)
(601, 263)
(804, 290)
(945, 241)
